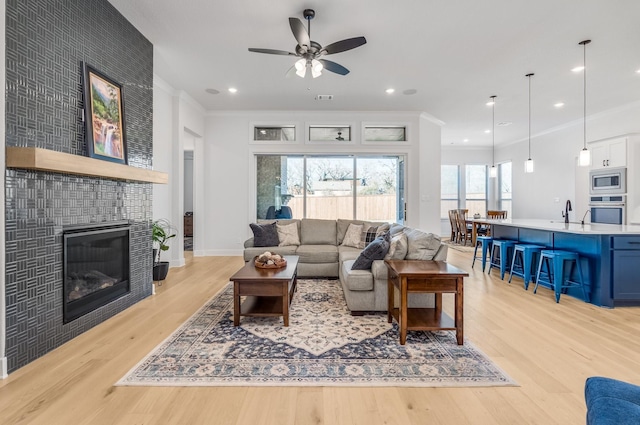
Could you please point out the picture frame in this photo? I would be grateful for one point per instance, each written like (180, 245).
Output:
(103, 116)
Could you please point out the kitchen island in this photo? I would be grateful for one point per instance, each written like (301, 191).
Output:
(610, 254)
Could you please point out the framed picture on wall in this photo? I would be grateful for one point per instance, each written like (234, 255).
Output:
(103, 116)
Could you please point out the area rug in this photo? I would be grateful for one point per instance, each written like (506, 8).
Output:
(458, 247)
(322, 346)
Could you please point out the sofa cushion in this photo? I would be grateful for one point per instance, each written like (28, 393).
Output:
(356, 280)
(421, 245)
(368, 235)
(348, 253)
(342, 225)
(382, 229)
(317, 253)
(318, 232)
(353, 235)
(376, 250)
(379, 270)
(264, 234)
(252, 252)
(288, 234)
(398, 247)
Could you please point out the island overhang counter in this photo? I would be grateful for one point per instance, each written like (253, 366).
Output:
(610, 254)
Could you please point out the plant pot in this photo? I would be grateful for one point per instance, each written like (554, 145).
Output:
(160, 270)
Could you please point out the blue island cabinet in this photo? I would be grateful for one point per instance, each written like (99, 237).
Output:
(625, 257)
(610, 261)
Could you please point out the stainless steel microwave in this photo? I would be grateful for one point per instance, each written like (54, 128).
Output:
(608, 181)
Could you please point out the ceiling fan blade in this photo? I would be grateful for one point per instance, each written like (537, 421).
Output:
(271, 51)
(344, 45)
(299, 32)
(333, 67)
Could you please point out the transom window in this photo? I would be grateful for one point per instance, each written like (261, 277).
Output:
(274, 133)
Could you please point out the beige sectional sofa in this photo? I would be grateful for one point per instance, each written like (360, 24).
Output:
(322, 254)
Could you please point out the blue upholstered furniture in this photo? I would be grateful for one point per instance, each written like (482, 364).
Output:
(611, 402)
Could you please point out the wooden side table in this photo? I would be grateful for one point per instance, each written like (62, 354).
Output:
(413, 276)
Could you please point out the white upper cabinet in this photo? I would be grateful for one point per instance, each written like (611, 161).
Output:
(609, 153)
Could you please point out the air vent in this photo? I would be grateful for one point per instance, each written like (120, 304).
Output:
(324, 97)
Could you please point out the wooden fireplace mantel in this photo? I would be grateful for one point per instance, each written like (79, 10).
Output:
(60, 162)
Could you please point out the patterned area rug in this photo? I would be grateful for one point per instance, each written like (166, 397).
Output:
(458, 247)
(323, 346)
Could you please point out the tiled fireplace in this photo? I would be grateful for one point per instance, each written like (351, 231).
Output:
(47, 40)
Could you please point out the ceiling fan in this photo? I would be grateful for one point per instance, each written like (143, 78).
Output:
(311, 52)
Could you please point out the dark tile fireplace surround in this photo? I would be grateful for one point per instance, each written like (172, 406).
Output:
(46, 42)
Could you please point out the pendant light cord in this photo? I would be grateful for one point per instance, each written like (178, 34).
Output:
(493, 132)
(529, 77)
(584, 63)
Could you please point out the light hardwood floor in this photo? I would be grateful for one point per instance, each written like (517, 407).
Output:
(548, 348)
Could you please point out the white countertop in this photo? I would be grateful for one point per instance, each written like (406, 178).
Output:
(572, 227)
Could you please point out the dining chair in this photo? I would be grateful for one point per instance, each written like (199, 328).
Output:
(454, 225)
(496, 214)
(464, 229)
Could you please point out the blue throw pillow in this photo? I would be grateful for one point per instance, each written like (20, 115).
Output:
(265, 234)
(376, 250)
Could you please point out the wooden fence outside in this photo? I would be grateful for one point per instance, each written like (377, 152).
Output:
(369, 207)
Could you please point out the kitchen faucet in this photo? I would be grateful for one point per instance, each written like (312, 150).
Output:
(565, 214)
(585, 216)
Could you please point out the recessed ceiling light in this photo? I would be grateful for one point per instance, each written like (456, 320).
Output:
(578, 68)
(212, 91)
(487, 131)
(559, 104)
(410, 92)
(389, 91)
(233, 90)
(465, 140)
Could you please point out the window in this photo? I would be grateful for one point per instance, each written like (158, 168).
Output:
(391, 133)
(319, 133)
(476, 193)
(506, 195)
(449, 189)
(274, 133)
(330, 187)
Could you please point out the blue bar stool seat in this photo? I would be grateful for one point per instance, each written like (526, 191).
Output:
(555, 272)
(501, 252)
(523, 261)
(485, 242)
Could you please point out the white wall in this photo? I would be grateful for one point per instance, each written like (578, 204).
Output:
(556, 175)
(229, 194)
(176, 118)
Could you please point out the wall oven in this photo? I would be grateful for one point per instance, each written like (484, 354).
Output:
(608, 209)
(608, 181)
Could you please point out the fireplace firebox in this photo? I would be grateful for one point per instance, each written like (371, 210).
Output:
(96, 266)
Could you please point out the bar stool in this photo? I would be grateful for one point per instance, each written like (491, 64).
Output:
(485, 242)
(525, 254)
(502, 259)
(555, 276)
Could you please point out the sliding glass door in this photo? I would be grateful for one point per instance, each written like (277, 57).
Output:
(330, 187)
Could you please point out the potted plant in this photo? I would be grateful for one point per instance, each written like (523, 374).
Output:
(163, 230)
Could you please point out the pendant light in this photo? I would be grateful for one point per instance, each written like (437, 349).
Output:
(493, 171)
(528, 164)
(584, 160)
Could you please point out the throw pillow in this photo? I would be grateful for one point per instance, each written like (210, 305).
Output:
(352, 237)
(376, 250)
(382, 229)
(368, 236)
(265, 234)
(288, 234)
(397, 247)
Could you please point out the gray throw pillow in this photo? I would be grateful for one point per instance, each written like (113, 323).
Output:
(376, 250)
(265, 234)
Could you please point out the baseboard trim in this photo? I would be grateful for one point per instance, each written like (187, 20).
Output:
(3, 368)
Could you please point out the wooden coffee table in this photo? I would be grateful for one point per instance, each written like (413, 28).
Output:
(439, 277)
(268, 292)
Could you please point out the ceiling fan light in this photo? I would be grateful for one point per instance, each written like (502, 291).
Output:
(316, 68)
(301, 68)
